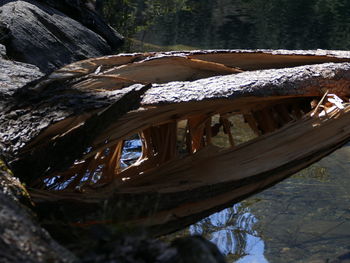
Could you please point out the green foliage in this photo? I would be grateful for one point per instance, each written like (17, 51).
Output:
(130, 17)
(121, 14)
(252, 24)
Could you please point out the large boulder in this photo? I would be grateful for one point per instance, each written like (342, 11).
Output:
(14, 75)
(84, 11)
(43, 36)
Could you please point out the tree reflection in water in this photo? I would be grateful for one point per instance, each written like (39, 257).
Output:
(232, 230)
(305, 218)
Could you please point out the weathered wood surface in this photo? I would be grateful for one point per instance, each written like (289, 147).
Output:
(34, 109)
(304, 81)
(56, 106)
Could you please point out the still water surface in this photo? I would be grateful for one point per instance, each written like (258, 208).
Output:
(305, 218)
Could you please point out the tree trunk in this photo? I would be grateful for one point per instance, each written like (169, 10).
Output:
(69, 130)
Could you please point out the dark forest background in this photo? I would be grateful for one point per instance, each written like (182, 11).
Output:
(297, 24)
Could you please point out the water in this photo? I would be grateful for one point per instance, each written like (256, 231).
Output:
(305, 218)
(208, 24)
(131, 152)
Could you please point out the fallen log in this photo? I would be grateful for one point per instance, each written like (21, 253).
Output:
(70, 131)
(181, 192)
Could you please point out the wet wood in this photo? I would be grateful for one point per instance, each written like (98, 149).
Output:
(46, 156)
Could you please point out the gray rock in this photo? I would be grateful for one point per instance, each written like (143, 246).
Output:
(84, 12)
(128, 249)
(14, 75)
(21, 237)
(196, 249)
(42, 36)
(2, 51)
(140, 249)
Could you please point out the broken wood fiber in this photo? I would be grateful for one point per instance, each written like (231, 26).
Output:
(251, 91)
(77, 120)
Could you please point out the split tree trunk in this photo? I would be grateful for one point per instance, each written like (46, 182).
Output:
(76, 119)
(47, 125)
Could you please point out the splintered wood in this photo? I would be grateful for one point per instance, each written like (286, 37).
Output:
(189, 187)
(162, 144)
(168, 68)
(184, 133)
